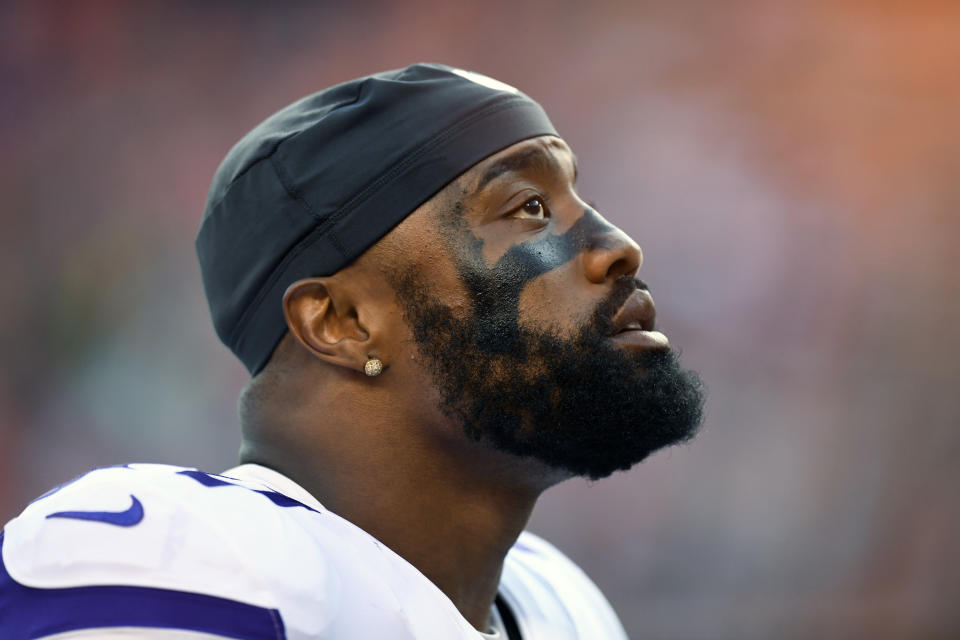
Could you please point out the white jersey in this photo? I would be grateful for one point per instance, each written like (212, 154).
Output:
(156, 551)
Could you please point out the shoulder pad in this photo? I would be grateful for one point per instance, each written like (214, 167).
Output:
(158, 526)
(551, 595)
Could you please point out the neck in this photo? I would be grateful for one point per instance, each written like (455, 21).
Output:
(453, 512)
(456, 535)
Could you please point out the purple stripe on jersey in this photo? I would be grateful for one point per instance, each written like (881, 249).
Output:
(27, 612)
(211, 480)
(281, 500)
(206, 479)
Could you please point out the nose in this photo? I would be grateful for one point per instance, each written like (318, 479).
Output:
(610, 255)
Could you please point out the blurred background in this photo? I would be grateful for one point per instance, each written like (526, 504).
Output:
(791, 170)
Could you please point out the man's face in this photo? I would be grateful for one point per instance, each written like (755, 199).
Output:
(549, 351)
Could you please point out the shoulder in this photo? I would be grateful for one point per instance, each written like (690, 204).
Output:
(551, 595)
(158, 538)
(112, 524)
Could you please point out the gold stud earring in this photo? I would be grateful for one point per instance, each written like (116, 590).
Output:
(373, 367)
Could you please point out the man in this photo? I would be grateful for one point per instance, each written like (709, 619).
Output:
(438, 329)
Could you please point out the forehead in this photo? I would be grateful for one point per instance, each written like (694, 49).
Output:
(543, 155)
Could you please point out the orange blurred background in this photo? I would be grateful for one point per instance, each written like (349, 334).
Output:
(791, 170)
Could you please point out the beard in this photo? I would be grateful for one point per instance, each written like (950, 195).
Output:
(578, 404)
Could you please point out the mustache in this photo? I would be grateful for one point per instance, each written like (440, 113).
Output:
(603, 314)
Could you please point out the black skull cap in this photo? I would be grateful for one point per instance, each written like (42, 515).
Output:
(317, 183)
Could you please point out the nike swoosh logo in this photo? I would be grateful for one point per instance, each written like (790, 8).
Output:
(126, 518)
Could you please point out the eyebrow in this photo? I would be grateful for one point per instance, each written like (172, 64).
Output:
(535, 159)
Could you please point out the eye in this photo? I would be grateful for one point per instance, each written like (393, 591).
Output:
(532, 209)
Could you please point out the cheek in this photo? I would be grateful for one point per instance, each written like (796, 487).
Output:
(494, 248)
(553, 302)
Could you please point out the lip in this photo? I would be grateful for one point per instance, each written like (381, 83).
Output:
(635, 339)
(634, 322)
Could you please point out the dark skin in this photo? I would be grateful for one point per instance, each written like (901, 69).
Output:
(379, 451)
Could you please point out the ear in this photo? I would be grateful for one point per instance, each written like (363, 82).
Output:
(323, 319)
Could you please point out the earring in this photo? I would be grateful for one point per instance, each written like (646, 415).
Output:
(373, 367)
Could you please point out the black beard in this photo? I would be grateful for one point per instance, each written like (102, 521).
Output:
(579, 404)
